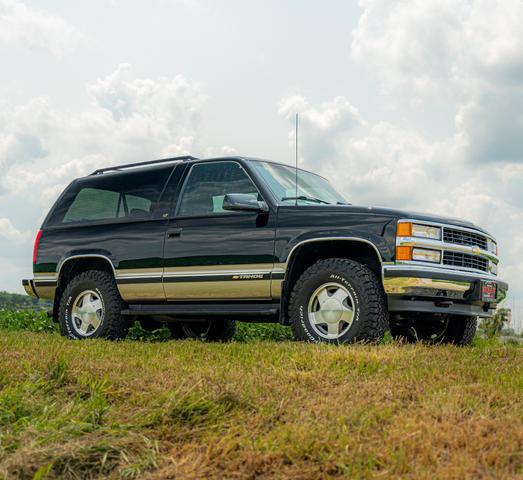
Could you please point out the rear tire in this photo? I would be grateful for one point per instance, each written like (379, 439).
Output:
(461, 330)
(218, 330)
(91, 306)
(338, 301)
(150, 325)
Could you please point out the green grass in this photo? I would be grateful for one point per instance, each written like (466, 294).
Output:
(37, 321)
(259, 407)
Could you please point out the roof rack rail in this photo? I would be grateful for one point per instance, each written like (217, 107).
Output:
(143, 164)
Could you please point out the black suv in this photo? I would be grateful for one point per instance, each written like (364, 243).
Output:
(198, 244)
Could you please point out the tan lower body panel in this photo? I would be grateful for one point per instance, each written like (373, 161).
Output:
(140, 284)
(216, 282)
(220, 282)
(45, 285)
(219, 290)
(142, 291)
(45, 293)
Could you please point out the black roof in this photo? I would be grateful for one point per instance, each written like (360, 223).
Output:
(184, 158)
(143, 164)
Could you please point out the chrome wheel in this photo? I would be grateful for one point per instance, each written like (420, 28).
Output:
(331, 311)
(87, 313)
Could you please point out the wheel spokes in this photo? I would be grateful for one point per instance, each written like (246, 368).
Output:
(333, 328)
(323, 296)
(340, 295)
(348, 315)
(316, 318)
(85, 323)
(87, 313)
(331, 310)
(96, 321)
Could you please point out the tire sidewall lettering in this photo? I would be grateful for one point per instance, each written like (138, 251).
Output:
(305, 324)
(310, 287)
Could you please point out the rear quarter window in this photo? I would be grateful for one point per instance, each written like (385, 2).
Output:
(111, 197)
(92, 204)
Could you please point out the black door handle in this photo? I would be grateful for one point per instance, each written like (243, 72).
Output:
(174, 232)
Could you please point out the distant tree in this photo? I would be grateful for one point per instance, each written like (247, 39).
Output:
(15, 301)
(492, 327)
(508, 332)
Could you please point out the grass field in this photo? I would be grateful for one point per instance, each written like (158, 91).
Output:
(257, 408)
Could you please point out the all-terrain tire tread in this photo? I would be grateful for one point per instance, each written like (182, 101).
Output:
(117, 325)
(376, 324)
(464, 335)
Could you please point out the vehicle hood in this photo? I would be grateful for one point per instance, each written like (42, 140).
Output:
(411, 215)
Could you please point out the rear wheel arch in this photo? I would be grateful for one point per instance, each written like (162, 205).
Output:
(91, 307)
(72, 266)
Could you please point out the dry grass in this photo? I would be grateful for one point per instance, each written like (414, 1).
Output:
(260, 409)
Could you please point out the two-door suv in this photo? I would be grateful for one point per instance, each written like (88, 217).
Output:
(200, 244)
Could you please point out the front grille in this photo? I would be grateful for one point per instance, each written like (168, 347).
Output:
(457, 259)
(460, 237)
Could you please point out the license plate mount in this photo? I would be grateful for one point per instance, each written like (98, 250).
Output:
(488, 291)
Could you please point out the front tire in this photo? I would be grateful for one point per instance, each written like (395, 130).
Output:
(91, 307)
(338, 301)
(436, 329)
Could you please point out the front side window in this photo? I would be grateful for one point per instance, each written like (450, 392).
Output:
(311, 187)
(207, 185)
(131, 195)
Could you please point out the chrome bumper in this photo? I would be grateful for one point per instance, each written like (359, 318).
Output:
(438, 283)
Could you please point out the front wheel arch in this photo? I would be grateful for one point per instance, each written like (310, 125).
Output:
(306, 253)
(368, 321)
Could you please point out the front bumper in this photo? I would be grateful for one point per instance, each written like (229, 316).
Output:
(437, 290)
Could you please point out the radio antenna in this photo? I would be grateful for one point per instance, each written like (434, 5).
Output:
(296, 159)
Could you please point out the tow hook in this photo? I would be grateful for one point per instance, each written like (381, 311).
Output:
(444, 303)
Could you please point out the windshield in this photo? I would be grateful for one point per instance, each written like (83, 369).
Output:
(311, 188)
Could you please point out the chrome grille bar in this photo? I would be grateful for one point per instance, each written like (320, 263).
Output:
(462, 237)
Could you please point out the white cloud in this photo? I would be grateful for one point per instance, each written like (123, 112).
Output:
(20, 24)
(382, 164)
(321, 128)
(468, 54)
(42, 147)
(130, 119)
(9, 232)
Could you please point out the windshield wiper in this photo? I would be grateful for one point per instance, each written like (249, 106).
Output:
(307, 199)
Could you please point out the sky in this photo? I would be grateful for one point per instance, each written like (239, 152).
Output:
(414, 104)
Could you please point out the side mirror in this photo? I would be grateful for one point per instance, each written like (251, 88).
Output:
(243, 202)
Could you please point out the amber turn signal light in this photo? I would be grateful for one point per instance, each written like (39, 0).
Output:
(403, 253)
(404, 230)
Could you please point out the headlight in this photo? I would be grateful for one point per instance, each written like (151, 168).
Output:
(419, 231)
(407, 253)
(492, 246)
(425, 255)
(493, 268)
